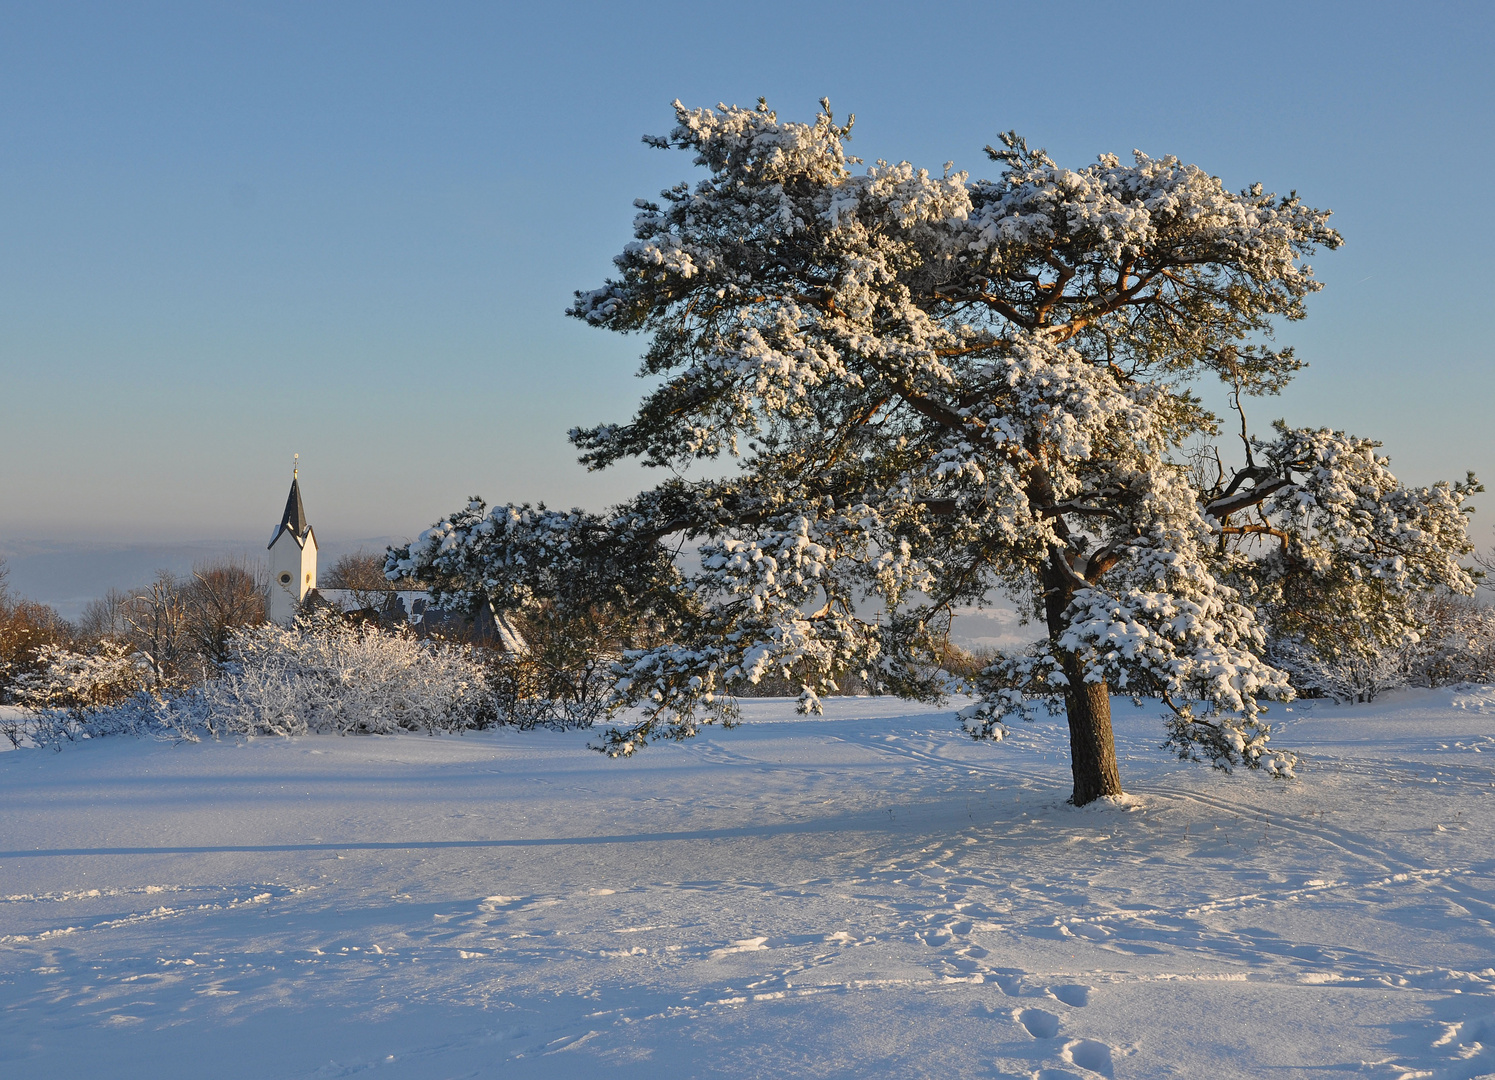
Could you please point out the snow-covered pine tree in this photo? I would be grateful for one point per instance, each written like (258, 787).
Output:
(1351, 568)
(915, 389)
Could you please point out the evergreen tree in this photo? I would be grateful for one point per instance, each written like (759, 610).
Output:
(913, 390)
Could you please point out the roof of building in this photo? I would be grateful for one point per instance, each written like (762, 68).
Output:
(414, 608)
(293, 520)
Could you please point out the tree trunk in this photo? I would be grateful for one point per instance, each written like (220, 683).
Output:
(1092, 747)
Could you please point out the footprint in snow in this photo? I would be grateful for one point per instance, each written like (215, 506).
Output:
(1011, 985)
(1041, 1023)
(1088, 1054)
(1073, 995)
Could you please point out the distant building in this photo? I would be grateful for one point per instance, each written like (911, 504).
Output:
(293, 558)
(293, 588)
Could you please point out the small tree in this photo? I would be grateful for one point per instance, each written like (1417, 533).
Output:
(222, 596)
(916, 389)
(157, 621)
(105, 617)
(564, 675)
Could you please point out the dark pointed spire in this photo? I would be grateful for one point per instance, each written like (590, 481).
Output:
(294, 518)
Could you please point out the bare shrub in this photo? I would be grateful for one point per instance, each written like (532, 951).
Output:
(156, 626)
(362, 574)
(180, 626)
(105, 617)
(223, 596)
(360, 570)
(563, 676)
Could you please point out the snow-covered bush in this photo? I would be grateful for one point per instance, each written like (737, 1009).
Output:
(1447, 639)
(1458, 644)
(322, 675)
(25, 628)
(1346, 675)
(68, 694)
(327, 675)
(66, 679)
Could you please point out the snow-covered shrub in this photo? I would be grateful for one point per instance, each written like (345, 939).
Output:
(327, 675)
(1346, 675)
(1448, 639)
(1458, 644)
(68, 694)
(65, 679)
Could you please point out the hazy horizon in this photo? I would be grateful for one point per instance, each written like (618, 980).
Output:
(67, 574)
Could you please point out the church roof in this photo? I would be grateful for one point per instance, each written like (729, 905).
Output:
(293, 520)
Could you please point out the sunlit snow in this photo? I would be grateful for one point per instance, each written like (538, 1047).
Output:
(868, 893)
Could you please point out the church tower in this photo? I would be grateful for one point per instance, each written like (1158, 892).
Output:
(293, 558)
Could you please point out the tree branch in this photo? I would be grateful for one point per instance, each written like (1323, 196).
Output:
(1223, 507)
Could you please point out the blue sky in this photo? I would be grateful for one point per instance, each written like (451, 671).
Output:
(231, 232)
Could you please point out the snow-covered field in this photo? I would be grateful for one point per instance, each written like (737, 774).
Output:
(867, 894)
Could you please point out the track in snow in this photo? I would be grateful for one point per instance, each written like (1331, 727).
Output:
(868, 894)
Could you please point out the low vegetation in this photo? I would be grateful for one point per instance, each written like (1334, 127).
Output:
(187, 658)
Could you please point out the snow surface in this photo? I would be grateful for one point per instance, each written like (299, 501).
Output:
(865, 894)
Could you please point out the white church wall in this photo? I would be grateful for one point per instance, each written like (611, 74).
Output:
(293, 573)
